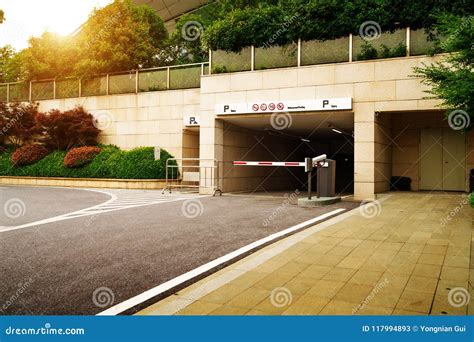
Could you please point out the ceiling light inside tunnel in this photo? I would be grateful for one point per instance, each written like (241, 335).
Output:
(336, 131)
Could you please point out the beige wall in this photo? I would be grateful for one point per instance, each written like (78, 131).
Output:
(378, 89)
(244, 144)
(375, 86)
(406, 130)
(145, 119)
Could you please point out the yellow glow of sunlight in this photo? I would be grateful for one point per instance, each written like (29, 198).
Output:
(25, 18)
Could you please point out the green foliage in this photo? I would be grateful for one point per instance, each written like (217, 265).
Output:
(11, 67)
(111, 162)
(368, 51)
(2, 16)
(452, 79)
(257, 23)
(120, 36)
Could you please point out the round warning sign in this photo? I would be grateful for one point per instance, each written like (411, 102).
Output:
(263, 106)
(280, 106)
(271, 106)
(255, 107)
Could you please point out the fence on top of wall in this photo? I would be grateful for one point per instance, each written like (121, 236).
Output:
(163, 78)
(402, 42)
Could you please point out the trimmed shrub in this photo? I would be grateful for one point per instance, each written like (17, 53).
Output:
(111, 162)
(81, 156)
(28, 154)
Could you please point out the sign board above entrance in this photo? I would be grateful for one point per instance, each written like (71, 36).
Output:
(341, 103)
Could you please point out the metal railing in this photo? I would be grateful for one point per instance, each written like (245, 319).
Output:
(185, 76)
(192, 174)
(313, 52)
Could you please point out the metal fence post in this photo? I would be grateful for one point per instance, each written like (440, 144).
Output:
(8, 92)
(136, 82)
(107, 84)
(54, 89)
(80, 88)
(299, 52)
(350, 47)
(408, 41)
(168, 78)
(30, 94)
(252, 58)
(210, 61)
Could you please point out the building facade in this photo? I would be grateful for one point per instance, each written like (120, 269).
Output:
(373, 117)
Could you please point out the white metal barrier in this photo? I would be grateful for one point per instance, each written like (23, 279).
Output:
(192, 174)
(309, 163)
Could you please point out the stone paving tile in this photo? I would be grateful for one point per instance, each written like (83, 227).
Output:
(401, 262)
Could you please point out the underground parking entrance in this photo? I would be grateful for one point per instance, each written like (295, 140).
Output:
(286, 137)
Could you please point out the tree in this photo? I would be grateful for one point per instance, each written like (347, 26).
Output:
(121, 36)
(452, 79)
(64, 130)
(18, 122)
(49, 56)
(11, 65)
(2, 16)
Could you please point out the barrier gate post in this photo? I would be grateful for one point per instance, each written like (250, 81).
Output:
(308, 168)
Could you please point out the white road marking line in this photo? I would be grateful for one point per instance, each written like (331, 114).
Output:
(250, 264)
(128, 201)
(134, 301)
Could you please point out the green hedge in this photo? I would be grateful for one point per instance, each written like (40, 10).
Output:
(111, 162)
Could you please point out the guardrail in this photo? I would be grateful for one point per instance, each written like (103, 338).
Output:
(192, 173)
(184, 76)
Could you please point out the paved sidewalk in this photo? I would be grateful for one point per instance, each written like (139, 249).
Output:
(405, 254)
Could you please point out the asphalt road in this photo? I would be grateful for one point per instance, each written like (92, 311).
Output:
(21, 205)
(54, 268)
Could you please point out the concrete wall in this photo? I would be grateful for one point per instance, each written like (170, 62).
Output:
(406, 130)
(133, 120)
(378, 89)
(243, 144)
(375, 86)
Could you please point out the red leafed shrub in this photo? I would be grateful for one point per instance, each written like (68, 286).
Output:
(80, 156)
(29, 154)
(71, 128)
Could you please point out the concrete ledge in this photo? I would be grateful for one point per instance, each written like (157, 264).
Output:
(85, 182)
(318, 202)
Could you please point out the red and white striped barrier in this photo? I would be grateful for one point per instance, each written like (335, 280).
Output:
(268, 163)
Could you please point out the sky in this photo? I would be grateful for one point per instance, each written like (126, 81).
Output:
(25, 18)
